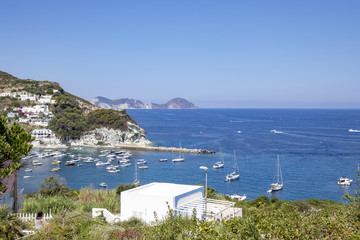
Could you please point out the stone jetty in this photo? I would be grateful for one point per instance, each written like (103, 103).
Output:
(164, 149)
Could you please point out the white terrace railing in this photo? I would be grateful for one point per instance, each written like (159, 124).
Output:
(28, 217)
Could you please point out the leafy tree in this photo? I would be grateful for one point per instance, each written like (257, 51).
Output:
(52, 186)
(15, 143)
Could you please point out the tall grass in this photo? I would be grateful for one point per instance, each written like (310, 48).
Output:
(57, 204)
(99, 198)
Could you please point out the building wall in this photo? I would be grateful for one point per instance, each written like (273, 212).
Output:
(143, 207)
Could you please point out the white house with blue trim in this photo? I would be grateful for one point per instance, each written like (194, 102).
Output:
(143, 201)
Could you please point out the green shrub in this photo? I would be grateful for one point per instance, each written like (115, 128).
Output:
(53, 186)
(124, 187)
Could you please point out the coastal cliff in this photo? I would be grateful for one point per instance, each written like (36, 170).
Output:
(57, 118)
(99, 137)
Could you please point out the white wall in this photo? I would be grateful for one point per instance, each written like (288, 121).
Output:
(143, 207)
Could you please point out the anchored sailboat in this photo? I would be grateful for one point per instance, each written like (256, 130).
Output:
(180, 159)
(280, 183)
(234, 175)
(136, 181)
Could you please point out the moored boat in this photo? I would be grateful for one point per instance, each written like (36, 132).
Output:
(278, 185)
(237, 197)
(69, 163)
(343, 181)
(234, 175)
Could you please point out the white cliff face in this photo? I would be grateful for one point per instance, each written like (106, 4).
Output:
(48, 142)
(100, 137)
(112, 137)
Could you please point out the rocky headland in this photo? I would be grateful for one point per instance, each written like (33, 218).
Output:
(127, 103)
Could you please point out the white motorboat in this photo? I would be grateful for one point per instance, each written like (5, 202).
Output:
(27, 176)
(163, 160)
(234, 175)
(28, 170)
(36, 163)
(274, 131)
(114, 170)
(103, 184)
(178, 160)
(101, 163)
(237, 197)
(353, 130)
(345, 181)
(220, 164)
(141, 162)
(143, 167)
(278, 185)
(111, 167)
(123, 161)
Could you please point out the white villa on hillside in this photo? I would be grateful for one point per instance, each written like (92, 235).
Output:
(41, 132)
(46, 99)
(143, 201)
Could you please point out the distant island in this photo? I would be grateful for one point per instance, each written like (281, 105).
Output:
(127, 103)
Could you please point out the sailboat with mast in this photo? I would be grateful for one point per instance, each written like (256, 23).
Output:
(219, 164)
(234, 175)
(278, 185)
(179, 159)
(136, 181)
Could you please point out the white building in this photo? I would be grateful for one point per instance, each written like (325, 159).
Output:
(28, 97)
(142, 202)
(41, 132)
(46, 99)
(40, 122)
(5, 94)
(36, 109)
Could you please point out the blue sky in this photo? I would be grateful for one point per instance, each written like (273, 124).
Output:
(259, 54)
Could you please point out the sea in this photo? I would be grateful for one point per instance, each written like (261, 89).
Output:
(315, 149)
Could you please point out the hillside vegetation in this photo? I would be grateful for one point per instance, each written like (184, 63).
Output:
(263, 218)
(11, 83)
(71, 121)
(73, 116)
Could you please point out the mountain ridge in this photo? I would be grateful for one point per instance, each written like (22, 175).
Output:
(128, 103)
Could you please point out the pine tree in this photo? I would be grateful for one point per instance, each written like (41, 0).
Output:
(15, 143)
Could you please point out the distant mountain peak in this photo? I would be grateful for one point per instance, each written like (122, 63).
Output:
(128, 103)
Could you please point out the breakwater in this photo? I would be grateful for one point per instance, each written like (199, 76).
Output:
(164, 149)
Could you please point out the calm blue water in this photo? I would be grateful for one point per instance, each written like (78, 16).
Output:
(315, 149)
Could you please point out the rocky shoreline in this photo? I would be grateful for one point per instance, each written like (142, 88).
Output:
(134, 138)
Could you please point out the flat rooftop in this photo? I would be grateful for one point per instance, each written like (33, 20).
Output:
(163, 189)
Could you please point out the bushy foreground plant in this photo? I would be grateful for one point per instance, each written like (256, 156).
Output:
(10, 226)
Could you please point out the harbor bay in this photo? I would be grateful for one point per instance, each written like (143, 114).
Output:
(315, 148)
